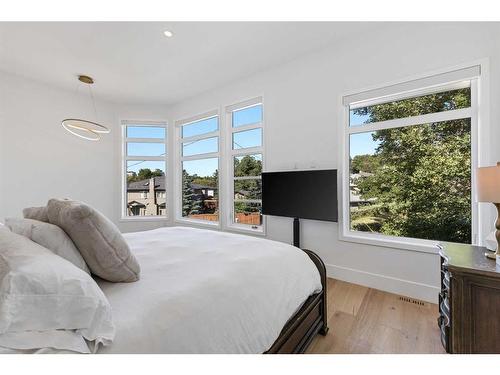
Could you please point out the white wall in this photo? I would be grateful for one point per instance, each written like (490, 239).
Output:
(302, 106)
(39, 160)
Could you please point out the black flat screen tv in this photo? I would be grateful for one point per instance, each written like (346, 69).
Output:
(308, 194)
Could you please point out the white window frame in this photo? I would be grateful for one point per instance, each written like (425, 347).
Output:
(231, 154)
(125, 158)
(179, 159)
(438, 81)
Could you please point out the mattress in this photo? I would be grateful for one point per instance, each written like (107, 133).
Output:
(204, 291)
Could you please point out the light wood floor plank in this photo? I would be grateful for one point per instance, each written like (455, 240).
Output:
(364, 320)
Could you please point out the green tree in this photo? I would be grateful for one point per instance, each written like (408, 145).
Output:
(365, 163)
(131, 176)
(248, 165)
(190, 204)
(422, 181)
(211, 181)
(145, 174)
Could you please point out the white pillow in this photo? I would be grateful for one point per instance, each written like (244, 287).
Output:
(41, 293)
(49, 236)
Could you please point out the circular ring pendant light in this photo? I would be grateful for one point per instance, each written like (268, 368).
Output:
(85, 129)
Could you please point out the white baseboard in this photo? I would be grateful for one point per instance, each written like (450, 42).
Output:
(389, 284)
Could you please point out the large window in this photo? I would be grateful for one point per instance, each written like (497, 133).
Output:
(144, 168)
(245, 129)
(199, 168)
(409, 162)
(219, 167)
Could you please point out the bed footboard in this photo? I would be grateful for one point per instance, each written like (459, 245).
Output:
(322, 271)
(310, 320)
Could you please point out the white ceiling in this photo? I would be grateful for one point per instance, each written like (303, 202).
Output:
(133, 62)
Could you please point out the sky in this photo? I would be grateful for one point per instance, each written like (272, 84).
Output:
(360, 143)
(202, 167)
(356, 120)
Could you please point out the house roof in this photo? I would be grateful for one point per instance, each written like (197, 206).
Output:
(143, 185)
(198, 186)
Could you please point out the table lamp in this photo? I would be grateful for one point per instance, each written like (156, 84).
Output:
(488, 190)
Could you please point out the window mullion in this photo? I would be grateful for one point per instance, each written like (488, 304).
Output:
(248, 200)
(200, 156)
(456, 114)
(200, 137)
(242, 178)
(145, 158)
(246, 151)
(144, 140)
(246, 127)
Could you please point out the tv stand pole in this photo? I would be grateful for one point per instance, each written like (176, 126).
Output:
(296, 232)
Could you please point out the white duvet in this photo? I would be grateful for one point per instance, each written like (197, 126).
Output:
(204, 291)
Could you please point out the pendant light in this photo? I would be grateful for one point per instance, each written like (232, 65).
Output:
(85, 129)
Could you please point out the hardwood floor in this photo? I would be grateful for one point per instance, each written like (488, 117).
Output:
(364, 320)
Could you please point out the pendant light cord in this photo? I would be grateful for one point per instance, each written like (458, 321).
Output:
(93, 103)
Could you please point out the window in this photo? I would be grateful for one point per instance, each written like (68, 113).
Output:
(144, 163)
(232, 199)
(245, 123)
(199, 167)
(409, 161)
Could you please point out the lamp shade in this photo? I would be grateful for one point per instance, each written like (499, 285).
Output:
(488, 184)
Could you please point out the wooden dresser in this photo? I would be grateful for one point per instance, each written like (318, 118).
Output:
(469, 302)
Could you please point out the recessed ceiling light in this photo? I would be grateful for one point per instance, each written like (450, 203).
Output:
(168, 33)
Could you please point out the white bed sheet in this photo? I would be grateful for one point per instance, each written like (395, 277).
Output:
(205, 291)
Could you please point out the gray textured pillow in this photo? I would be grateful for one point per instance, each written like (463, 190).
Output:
(99, 241)
(49, 236)
(36, 213)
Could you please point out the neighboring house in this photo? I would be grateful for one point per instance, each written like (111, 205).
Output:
(206, 194)
(355, 197)
(241, 194)
(148, 197)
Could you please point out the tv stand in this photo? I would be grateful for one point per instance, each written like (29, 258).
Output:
(296, 232)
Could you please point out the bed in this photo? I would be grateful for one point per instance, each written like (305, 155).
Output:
(204, 291)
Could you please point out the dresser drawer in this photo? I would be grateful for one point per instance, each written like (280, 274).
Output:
(469, 301)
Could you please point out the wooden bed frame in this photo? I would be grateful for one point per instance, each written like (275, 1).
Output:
(310, 320)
